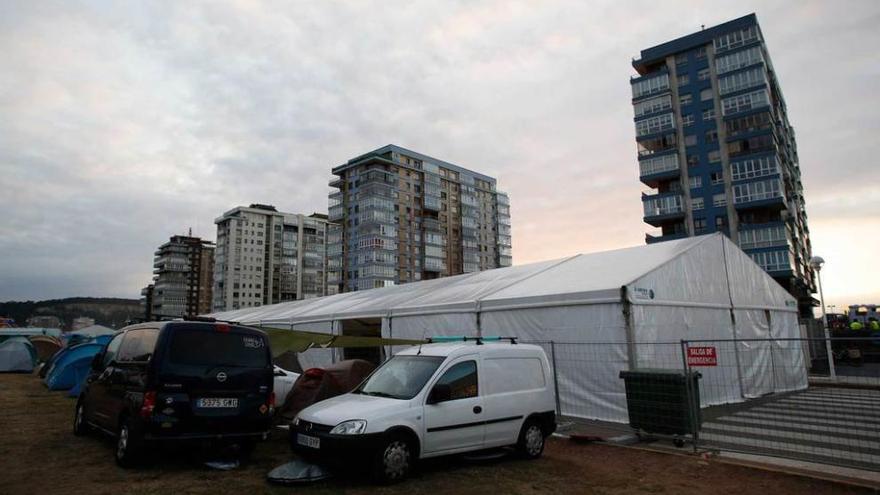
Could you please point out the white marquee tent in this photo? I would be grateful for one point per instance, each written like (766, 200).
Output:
(604, 312)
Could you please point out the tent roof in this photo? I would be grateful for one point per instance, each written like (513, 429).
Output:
(584, 278)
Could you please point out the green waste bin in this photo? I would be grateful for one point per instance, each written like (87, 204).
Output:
(661, 401)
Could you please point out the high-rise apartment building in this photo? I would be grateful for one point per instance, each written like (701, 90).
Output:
(265, 256)
(404, 216)
(716, 147)
(182, 281)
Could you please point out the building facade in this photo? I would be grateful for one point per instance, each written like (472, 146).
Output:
(265, 256)
(717, 150)
(403, 216)
(182, 278)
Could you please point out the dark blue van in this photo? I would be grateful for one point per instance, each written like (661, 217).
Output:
(179, 381)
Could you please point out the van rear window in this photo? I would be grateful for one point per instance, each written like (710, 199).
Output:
(194, 346)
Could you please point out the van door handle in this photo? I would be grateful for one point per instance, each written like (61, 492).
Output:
(478, 409)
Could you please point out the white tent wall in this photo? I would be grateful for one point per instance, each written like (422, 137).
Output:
(318, 357)
(589, 352)
(788, 355)
(659, 331)
(423, 326)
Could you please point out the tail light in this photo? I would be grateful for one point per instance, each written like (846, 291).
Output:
(148, 405)
(272, 399)
(221, 327)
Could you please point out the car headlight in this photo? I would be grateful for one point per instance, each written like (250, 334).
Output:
(296, 421)
(352, 427)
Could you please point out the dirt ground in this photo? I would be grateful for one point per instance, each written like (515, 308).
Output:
(39, 454)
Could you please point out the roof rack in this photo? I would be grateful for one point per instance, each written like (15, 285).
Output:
(463, 338)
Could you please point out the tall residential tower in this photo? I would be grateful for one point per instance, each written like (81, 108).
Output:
(716, 147)
(404, 216)
(183, 273)
(265, 256)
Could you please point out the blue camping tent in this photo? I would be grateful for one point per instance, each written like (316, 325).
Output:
(17, 355)
(72, 366)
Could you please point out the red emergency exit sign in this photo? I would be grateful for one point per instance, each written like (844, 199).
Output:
(702, 356)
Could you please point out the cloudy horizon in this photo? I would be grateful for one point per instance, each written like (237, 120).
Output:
(124, 124)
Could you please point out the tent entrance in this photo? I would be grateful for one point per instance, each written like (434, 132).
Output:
(363, 327)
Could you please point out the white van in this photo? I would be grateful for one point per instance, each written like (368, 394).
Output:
(433, 400)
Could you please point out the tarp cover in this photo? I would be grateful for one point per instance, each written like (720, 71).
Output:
(315, 385)
(605, 312)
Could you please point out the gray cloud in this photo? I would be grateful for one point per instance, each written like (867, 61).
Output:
(125, 123)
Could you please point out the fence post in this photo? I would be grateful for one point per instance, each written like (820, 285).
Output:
(555, 378)
(692, 414)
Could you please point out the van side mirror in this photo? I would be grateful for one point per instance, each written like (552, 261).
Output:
(441, 392)
(98, 361)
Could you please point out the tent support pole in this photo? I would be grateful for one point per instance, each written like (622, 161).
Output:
(742, 391)
(627, 323)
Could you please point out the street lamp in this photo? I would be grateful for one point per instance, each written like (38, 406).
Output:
(816, 263)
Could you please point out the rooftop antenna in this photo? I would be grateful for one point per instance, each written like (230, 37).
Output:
(420, 343)
(703, 27)
(190, 231)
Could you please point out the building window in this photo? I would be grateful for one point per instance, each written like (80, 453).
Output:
(685, 99)
(700, 54)
(699, 225)
(693, 160)
(745, 102)
(644, 87)
(721, 222)
(738, 60)
(756, 191)
(711, 136)
(757, 167)
(695, 181)
(773, 260)
(742, 80)
(655, 124)
(681, 58)
(717, 178)
(714, 156)
(719, 199)
(683, 79)
(703, 74)
(736, 39)
(690, 140)
(709, 114)
(706, 94)
(687, 120)
(653, 105)
(697, 203)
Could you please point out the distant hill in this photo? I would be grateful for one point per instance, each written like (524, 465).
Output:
(107, 311)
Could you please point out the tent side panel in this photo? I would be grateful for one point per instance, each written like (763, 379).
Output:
(695, 276)
(659, 331)
(590, 351)
(424, 326)
(789, 362)
(317, 357)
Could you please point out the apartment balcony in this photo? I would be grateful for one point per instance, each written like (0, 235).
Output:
(337, 182)
(336, 213)
(661, 208)
(652, 176)
(653, 239)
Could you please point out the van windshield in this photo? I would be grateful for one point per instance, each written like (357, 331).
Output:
(196, 346)
(401, 377)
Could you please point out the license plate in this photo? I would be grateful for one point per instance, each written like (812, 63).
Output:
(313, 442)
(217, 402)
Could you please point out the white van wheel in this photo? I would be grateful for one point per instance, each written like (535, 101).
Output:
(531, 440)
(394, 461)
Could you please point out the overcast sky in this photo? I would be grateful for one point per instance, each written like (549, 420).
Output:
(122, 124)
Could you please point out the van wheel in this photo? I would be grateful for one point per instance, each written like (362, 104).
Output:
(393, 461)
(129, 443)
(80, 426)
(531, 440)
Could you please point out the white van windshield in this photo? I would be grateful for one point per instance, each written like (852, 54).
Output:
(401, 377)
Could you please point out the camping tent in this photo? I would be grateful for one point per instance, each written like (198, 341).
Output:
(45, 346)
(71, 367)
(605, 312)
(17, 355)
